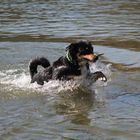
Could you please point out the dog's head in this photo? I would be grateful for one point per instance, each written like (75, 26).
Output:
(80, 52)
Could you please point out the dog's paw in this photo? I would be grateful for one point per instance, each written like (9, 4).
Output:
(98, 76)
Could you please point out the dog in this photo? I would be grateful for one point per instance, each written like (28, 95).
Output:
(66, 67)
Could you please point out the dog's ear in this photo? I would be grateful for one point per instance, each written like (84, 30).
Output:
(90, 44)
(70, 47)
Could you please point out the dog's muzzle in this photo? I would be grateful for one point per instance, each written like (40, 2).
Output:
(91, 57)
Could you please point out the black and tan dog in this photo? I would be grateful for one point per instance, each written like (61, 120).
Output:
(66, 67)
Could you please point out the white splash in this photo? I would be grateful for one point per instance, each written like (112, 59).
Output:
(17, 78)
(94, 67)
(22, 80)
(106, 69)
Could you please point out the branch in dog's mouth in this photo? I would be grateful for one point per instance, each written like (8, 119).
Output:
(97, 57)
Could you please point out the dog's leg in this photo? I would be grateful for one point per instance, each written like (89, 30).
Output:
(97, 75)
(38, 77)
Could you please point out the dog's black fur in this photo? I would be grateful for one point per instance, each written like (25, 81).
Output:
(77, 55)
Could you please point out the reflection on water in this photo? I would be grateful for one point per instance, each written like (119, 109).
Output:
(108, 22)
(75, 105)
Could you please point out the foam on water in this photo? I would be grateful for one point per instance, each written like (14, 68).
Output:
(22, 81)
(106, 69)
(17, 78)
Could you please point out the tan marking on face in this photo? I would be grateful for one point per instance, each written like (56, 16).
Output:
(89, 57)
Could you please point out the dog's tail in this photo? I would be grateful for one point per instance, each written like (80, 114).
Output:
(35, 62)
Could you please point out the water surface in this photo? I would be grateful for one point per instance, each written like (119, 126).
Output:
(108, 22)
(68, 110)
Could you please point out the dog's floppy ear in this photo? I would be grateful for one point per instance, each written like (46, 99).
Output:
(70, 47)
(90, 44)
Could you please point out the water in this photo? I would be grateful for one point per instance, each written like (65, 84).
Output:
(69, 110)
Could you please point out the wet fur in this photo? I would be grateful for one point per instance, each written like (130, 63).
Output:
(65, 67)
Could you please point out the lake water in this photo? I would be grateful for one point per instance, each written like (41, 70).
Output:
(70, 110)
